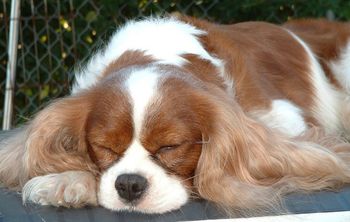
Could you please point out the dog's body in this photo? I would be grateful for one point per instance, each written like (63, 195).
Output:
(236, 114)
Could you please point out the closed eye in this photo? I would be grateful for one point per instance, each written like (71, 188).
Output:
(174, 146)
(171, 147)
(107, 149)
(167, 148)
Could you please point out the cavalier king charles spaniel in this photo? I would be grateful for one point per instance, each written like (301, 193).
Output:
(177, 107)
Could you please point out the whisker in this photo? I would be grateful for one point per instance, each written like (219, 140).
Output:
(189, 178)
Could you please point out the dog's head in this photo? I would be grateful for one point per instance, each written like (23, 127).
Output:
(145, 132)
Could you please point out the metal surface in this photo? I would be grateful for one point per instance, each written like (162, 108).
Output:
(11, 65)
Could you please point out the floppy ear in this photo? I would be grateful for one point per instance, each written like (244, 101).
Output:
(246, 165)
(53, 142)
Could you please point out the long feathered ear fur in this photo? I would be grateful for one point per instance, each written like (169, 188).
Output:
(53, 142)
(244, 165)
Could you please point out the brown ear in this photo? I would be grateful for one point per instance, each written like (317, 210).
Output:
(53, 142)
(246, 165)
(56, 138)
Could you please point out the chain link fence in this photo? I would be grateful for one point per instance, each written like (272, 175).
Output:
(54, 35)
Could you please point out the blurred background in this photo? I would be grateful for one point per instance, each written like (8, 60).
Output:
(55, 35)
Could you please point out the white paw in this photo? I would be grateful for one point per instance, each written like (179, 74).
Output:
(68, 189)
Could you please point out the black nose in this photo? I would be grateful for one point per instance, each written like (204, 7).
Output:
(130, 186)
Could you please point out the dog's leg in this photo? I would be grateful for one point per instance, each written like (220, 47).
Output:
(68, 189)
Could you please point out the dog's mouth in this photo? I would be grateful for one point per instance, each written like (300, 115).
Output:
(150, 202)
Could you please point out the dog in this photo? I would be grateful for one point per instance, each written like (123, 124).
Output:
(175, 108)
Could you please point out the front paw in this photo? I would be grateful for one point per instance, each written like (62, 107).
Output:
(68, 189)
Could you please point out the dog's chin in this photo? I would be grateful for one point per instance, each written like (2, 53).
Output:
(145, 206)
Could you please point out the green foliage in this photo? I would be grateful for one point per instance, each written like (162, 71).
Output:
(56, 35)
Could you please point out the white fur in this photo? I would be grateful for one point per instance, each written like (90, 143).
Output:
(142, 86)
(164, 192)
(341, 68)
(165, 39)
(283, 116)
(70, 189)
(326, 106)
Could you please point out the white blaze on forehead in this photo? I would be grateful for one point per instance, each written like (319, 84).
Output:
(142, 87)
